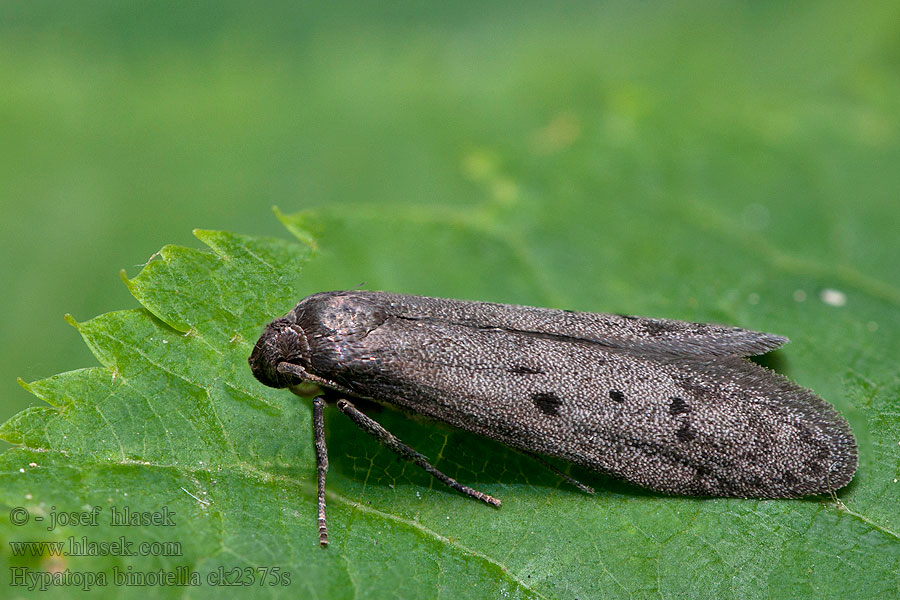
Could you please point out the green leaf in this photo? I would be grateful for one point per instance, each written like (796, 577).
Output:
(173, 419)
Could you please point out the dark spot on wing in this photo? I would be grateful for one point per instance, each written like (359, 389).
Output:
(547, 402)
(524, 370)
(678, 406)
(616, 395)
(789, 478)
(685, 433)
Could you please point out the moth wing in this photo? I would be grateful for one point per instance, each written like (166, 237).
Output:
(710, 426)
(718, 427)
(653, 337)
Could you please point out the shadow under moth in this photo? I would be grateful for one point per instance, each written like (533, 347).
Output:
(668, 405)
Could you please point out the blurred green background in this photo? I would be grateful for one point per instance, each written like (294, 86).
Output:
(125, 125)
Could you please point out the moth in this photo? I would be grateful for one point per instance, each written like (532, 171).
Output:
(668, 405)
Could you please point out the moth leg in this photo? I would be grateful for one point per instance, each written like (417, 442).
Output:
(390, 440)
(584, 488)
(321, 463)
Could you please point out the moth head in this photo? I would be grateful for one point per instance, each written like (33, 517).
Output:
(283, 341)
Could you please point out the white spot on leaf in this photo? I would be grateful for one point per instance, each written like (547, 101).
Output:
(833, 297)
